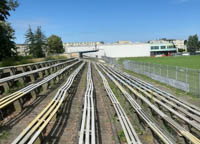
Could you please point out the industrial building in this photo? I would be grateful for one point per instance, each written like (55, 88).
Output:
(125, 50)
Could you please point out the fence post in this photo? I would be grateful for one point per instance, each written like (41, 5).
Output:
(199, 83)
(160, 70)
(167, 72)
(130, 66)
(143, 68)
(186, 75)
(176, 73)
(149, 68)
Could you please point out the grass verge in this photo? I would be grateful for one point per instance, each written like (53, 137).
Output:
(19, 60)
(181, 61)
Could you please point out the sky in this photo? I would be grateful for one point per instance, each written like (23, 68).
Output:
(108, 20)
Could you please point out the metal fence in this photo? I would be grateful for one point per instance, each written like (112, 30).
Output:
(179, 77)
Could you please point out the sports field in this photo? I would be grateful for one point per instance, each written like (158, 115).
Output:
(182, 61)
(188, 69)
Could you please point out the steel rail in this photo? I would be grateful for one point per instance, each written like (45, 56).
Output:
(5, 101)
(87, 131)
(34, 129)
(165, 117)
(6, 79)
(130, 134)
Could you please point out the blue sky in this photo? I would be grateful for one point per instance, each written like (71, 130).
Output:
(108, 20)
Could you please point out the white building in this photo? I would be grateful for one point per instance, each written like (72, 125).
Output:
(125, 50)
(113, 50)
(178, 44)
(22, 49)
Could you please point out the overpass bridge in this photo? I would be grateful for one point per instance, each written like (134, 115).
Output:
(82, 50)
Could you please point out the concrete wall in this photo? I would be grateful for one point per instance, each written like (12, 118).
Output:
(114, 50)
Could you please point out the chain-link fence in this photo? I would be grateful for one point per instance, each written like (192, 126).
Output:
(179, 77)
(111, 61)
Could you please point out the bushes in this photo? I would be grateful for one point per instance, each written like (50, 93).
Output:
(16, 61)
(55, 58)
(7, 62)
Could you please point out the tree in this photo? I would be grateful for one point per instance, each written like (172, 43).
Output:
(5, 7)
(36, 42)
(54, 45)
(101, 42)
(193, 43)
(4, 10)
(7, 44)
(29, 36)
(39, 43)
(185, 42)
(13, 4)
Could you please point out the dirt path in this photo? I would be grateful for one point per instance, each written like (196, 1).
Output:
(104, 126)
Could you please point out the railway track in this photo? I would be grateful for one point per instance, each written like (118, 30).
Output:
(33, 132)
(5, 101)
(87, 131)
(130, 134)
(137, 92)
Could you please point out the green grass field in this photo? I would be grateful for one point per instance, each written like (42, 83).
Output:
(159, 66)
(182, 61)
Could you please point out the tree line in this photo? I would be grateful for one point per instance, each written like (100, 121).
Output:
(193, 43)
(38, 44)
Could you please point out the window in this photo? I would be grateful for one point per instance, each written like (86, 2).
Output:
(169, 47)
(154, 47)
(163, 47)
